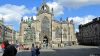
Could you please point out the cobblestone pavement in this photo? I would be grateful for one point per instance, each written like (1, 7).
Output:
(68, 51)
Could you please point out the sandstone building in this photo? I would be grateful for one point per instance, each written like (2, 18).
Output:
(6, 33)
(89, 34)
(47, 31)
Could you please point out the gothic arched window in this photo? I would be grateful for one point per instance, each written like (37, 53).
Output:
(64, 34)
(33, 29)
(45, 25)
(58, 32)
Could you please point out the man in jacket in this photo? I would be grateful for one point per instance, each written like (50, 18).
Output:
(33, 51)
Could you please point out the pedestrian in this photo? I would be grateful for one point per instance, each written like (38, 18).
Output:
(33, 51)
(2, 46)
(37, 51)
(9, 50)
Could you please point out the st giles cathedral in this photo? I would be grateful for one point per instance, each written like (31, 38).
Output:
(46, 31)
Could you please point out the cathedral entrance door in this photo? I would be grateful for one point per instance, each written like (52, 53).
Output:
(45, 42)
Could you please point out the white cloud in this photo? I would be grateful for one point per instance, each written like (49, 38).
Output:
(34, 17)
(59, 5)
(1, 16)
(88, 19)
(58, 9)
(26, 17)
(82, 20)
(77, 3)
(34, 10)
(12, 12)
(77, 30)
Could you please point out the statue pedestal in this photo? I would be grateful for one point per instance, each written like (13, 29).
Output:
(45, 46)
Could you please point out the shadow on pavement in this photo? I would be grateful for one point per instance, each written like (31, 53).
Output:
(78, 52)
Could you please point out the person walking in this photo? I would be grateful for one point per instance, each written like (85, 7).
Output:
(2, 46)
(9, 50)
(33, 51)
(37, 51)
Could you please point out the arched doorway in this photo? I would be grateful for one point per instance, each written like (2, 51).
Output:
(45, 41)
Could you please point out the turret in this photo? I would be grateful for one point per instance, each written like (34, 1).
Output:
(24, 20)
(52, 11)
(67, 20)
(32, 18)
(71, 22)
(61, 19)
(37, 9)
(28, 18)
(21, 19)
(2, 20)
(44, 1)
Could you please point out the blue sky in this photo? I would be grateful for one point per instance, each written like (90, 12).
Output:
(81, 11)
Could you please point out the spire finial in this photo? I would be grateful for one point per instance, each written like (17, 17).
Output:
(22, 19)
(2, 19)
(52, 10)
(44, 1)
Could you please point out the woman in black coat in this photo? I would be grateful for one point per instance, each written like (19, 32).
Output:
(9, 50)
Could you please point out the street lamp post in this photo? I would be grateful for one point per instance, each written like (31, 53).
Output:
(61, 30)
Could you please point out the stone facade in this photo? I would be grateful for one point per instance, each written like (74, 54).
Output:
(45, 28)
(5, 32)
(89, 34)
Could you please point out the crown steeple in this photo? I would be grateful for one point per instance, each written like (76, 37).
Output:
(44, 8)
(44, 1)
